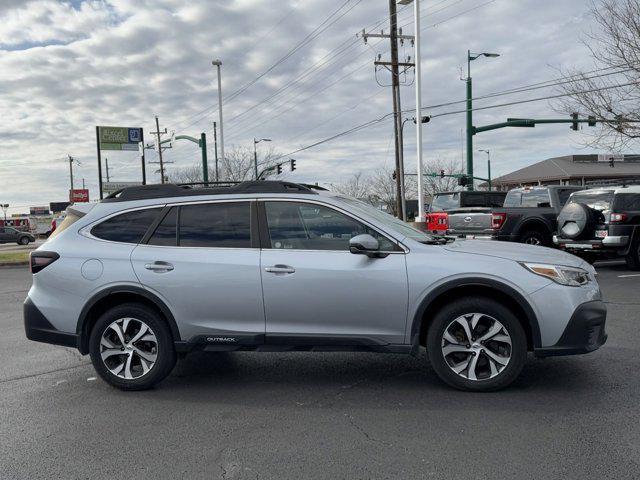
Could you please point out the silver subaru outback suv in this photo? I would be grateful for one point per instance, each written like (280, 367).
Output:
(157, 271)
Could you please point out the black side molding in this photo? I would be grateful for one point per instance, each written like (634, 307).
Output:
(39, 329)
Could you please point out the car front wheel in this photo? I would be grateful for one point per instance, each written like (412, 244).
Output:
(131, 347)
(476, 344)
(24, 241)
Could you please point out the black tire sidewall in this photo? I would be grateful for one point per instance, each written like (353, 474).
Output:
(476, 305)
(23, 241)
(166, 358)
(535, 233)
(633, 257)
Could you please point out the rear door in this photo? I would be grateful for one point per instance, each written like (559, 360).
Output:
(316, 291)
(203, 260)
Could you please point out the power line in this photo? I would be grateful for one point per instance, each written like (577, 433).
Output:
(388, 115)
(332, 54)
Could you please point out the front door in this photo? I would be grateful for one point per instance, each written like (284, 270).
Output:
(316, 291)
(202, 260)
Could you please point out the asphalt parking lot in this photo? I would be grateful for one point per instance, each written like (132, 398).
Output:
(319, 415)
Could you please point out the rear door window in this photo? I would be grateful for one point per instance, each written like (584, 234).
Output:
(127, 227)
(563, 195)
(444, 202)
(216, 225)
(627, 202)
(535, 198)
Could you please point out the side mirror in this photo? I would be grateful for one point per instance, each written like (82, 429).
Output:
(365, 244)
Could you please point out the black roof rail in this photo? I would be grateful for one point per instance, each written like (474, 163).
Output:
(144, 192)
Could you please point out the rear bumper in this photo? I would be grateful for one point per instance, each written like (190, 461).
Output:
(613, 241)
(39, 329)
(584, 333)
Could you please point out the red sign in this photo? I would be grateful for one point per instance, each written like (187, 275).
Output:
(80, 195)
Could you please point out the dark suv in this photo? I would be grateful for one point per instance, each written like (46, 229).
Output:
(602, 223)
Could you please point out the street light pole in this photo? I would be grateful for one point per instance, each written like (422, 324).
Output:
(471, 57)
(255, 154)
(416, 13)
(488, 166)
(5, 207)
(218, 64)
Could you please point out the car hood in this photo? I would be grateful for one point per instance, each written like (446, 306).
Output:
(516, 251)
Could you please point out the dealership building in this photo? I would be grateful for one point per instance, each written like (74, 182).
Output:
(574, 170)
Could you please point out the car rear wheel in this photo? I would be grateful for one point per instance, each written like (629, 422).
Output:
(24, 241)
(476, 344)
(131, 347)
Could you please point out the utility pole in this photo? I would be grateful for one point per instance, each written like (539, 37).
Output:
(5, 207)
(215, 146)
(393, 67)
(83, 187)
(218, 64)
(70, 172)
(159, 136)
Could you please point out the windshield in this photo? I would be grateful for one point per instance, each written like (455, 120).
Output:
(387, 219)
(443, 202)
(600, 200)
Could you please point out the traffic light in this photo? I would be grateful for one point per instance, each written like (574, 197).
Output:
(592, 121)
(279, 168)
(394, 175)
(293, 164)
(463, 181)
(441, 173)
(574, 124)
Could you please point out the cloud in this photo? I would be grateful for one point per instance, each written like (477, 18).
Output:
(66, 67)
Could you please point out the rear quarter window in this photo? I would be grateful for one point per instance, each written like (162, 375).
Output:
(127, 227)
(628, 202)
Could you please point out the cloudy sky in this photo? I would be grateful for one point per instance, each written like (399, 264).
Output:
(67, 66)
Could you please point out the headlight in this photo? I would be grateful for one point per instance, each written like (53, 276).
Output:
(573, 277)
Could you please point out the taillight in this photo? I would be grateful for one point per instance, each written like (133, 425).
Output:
(497, 220)
(40, 260)
(618, 217)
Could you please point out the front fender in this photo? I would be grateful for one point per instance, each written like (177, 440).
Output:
(495, 283)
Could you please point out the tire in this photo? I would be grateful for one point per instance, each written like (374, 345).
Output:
(490, 314)
(134, 368)
(23, 241)
(633, 257)
(535, 237)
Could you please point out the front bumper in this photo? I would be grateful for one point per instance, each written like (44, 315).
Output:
(584, 333)
(39, 329)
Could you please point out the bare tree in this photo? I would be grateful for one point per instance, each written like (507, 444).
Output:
(613, 90)
(433, 185)
(383, 189)
(237, 166)
(357, 186)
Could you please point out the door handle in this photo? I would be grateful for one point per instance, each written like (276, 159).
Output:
(159, 267)
(280, 269)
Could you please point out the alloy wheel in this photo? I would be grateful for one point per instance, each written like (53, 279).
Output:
(476, 346)
(533, 241)
(129, 348)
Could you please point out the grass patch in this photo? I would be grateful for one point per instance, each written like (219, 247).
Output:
(14, 257)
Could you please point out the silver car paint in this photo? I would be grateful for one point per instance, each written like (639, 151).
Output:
(60, 291)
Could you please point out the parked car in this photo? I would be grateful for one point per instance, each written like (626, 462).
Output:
(448, 202)
(11, 235)
(159, 270)
(529, 215)
(602, 223)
